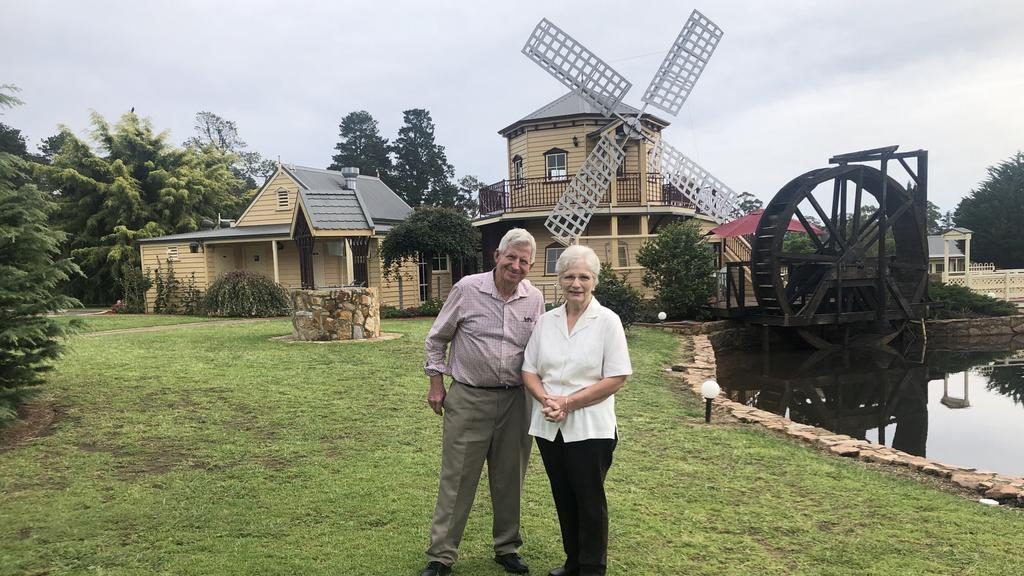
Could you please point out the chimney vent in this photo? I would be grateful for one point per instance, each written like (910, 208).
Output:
(350, 174)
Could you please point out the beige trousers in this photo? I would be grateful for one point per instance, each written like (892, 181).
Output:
(480, 425)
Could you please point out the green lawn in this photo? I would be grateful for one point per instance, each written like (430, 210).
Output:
(100, 323)
(216, 451)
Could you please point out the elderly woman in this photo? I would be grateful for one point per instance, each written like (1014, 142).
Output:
(575, 362)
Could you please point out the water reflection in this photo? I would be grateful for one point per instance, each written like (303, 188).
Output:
(974, 401)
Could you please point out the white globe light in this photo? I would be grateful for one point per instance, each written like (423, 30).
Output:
(710, 389)
(662, 316)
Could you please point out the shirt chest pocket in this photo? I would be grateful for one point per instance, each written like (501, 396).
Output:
(521, 326)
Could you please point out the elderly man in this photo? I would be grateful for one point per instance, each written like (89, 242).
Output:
(484, 325)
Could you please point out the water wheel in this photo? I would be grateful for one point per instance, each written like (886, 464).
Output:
(858, 262)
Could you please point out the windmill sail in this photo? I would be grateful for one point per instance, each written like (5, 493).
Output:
(576, 67)
(709, 194)
(683, 64)
(576, 206)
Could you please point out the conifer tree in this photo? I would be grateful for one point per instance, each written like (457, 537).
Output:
(360, 145)
(422, 172)
(30, 271)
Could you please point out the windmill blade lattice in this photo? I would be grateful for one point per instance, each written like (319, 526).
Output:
(710, 194)
(576, 67)
(683, 64)
(576, 206)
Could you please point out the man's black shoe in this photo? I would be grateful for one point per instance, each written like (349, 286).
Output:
(436, 569)
(512, 562)
(561, 571)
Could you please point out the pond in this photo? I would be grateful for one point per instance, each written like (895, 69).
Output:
(961, 408)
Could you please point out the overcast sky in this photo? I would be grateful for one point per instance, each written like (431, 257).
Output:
(792, 82)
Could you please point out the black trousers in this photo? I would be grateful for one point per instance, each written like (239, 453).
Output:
(577, 471)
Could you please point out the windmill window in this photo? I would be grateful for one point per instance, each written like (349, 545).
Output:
(282, 199)
(555, 164)
(517, 170)
(551, 254)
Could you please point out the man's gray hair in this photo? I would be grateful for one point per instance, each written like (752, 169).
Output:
(577, 253)
(518, 237)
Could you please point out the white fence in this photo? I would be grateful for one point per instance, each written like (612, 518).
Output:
(985, 279)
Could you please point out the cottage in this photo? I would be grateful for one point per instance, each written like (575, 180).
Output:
(305, 228)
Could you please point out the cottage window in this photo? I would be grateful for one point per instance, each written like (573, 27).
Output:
(172, 253)
(555, 164)
(282, 199)
(551, 254)
(517, 170)
(440, 264)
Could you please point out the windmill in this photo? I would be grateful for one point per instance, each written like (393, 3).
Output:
(600, 85)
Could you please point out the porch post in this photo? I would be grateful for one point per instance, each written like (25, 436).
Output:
(641, 158)
(277, 269)
(967, 258)
(349, 273)
(945, 259)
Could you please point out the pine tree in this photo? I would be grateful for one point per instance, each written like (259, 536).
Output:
(994, 212)
(360, 145)
(30, 272)
(422, 172)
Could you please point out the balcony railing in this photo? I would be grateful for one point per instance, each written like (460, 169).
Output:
(543, 193)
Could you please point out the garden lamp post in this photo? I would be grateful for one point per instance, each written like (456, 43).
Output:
(709, 390)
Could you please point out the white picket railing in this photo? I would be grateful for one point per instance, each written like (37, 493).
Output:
(984, 279)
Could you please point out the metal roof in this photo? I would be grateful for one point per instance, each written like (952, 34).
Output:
(936, 250)
(334, 210)
(573, 105)
(267, 231)
(378, 201)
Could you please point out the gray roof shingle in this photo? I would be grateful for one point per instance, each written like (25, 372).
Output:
(572, 104)
(335, 207)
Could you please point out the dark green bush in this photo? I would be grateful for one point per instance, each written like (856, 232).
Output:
(618, 295)
(431, 307)
(395, 312)
(680, 268)
(960, 302)
(241, 293)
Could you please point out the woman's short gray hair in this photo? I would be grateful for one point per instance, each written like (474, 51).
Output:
(577, 253)
(518, 237)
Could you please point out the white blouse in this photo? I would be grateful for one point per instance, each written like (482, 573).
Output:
(567, 363)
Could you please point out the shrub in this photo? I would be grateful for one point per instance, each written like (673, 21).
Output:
(960, 302)
(618, 295)
(396, 312)
(680, 268)
(242, 293)
(431, 307)
(134, 285)
(167, 287)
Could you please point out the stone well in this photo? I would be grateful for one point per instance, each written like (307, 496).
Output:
(335, 314)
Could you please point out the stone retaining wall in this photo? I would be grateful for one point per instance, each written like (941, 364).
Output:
(966, 334)
(339, 314)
